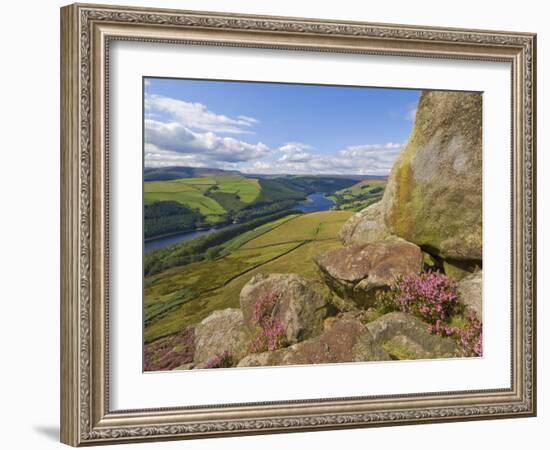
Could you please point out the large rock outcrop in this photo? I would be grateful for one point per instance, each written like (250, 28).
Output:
(359, 271)
(300, 304)
(433, 197)
(222, 331)
(347, 340)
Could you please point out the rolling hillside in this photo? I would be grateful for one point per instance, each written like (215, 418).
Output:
(359, 196)
(182, 296)
(200, 198)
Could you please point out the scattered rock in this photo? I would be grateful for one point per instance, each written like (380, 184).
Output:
(410, 336)
(344, 305)
(470, 289)
(365, 226)
(433, 195)
(346, 340)
(358, 271)
(301, 305)
(223, 330)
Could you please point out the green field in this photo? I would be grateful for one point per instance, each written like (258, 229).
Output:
(180, 199)
(182, 296)
(203, 193)
(359, 196)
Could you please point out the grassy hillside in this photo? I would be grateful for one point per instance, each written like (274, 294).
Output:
(182, 296)
(170, 217)
(359, 196)
(209, 246)
(175, 172)
(309, 184)
(212, 196)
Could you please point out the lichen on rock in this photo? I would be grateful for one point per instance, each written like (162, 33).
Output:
(470, 289)
(359, 271)
(346, 340)
(221, 331)
(411, 336)
(433, 197)
(301, 305)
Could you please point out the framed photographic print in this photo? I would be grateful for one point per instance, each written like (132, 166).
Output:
(279, 224)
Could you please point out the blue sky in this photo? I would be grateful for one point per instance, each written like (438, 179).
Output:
(275, 128)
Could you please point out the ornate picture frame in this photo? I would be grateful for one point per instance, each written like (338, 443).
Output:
(87, 31)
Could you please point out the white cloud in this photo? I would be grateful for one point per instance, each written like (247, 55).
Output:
(178, 141)
(295, 152)
(197, 116)
(367, 159)
(411, 113)
(173, 141)
(366, 150)
(247, 119)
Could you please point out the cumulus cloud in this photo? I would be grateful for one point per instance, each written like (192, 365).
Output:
(188, 134)
(198, 116)
(378, 156)
(295, 152)
(367, 159)
(173, 139)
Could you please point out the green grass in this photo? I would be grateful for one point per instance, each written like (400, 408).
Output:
(228, 193)
(248, 236)
(187, 196)
(247, 189)
(201, 278)
(362, 187)
(318, 225)
(183, 296)
(359, 196)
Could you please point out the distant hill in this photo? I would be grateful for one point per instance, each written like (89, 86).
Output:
(176, 172)
(179, 198)
(360, 195)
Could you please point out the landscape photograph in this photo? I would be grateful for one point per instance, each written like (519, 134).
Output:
(290, 224)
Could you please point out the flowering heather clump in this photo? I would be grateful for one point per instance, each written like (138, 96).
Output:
(263, 308)
(434, 298)
(271, 335)
(221, 360)
(431, 296)
(470, 337)
(170, 352)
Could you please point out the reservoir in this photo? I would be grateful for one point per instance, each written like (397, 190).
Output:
(315, 202)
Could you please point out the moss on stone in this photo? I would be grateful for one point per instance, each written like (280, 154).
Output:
(428, 260)
(455, 272)
(397, 351)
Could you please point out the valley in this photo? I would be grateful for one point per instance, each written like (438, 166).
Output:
(209, 233)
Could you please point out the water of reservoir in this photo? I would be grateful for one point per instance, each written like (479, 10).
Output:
(315, 202)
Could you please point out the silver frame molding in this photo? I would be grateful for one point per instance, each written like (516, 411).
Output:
(86, 33)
